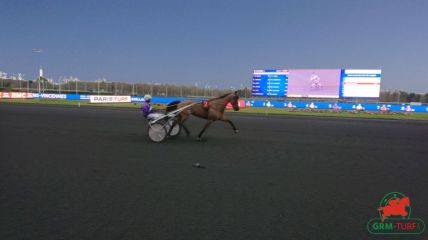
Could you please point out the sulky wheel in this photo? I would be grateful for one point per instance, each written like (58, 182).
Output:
(157, 132)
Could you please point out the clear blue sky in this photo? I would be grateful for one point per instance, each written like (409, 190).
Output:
(214, 42)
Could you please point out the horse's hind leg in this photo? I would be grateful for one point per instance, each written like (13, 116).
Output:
(231, 124)
(185, 129)
(203, 130)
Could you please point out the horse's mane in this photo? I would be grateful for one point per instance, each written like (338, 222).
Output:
(222, 96)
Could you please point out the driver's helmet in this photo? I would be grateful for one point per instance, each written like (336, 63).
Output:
(147, 98)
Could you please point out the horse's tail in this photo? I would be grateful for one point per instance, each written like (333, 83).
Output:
(172, 106)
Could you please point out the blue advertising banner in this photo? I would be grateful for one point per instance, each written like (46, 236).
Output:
(50, 96)
(163, 99)
(267, 103)
(77, 97)
(338, 106)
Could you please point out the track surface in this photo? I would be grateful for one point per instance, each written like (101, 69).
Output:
(91, 173)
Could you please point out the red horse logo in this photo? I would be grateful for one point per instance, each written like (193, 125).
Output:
(396, 207)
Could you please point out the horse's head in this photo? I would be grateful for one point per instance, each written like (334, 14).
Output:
(405, 201)
(235, 101)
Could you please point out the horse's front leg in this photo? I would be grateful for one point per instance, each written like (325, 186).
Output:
(176, 121)
(185, 129)
(231, 124)
(203, 130)
(183, 118)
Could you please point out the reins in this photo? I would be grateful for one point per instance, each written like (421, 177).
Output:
(209, 100)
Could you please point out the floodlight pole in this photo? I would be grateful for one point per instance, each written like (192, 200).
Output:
(40, 79)
(40, 71)
(398, 96)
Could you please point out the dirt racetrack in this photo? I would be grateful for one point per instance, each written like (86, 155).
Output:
(91, 173)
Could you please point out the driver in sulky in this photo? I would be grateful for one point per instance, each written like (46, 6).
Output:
(148, 111)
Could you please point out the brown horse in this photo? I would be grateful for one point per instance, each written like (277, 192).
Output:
(212, 110)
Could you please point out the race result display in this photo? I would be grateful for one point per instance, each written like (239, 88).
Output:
(360, 83)
(270, 83)
(317, 83)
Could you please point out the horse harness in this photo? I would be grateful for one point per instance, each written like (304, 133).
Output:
(205, 105)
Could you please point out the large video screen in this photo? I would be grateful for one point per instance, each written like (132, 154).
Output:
(361, 83)
(314, 83)
(270, 83)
